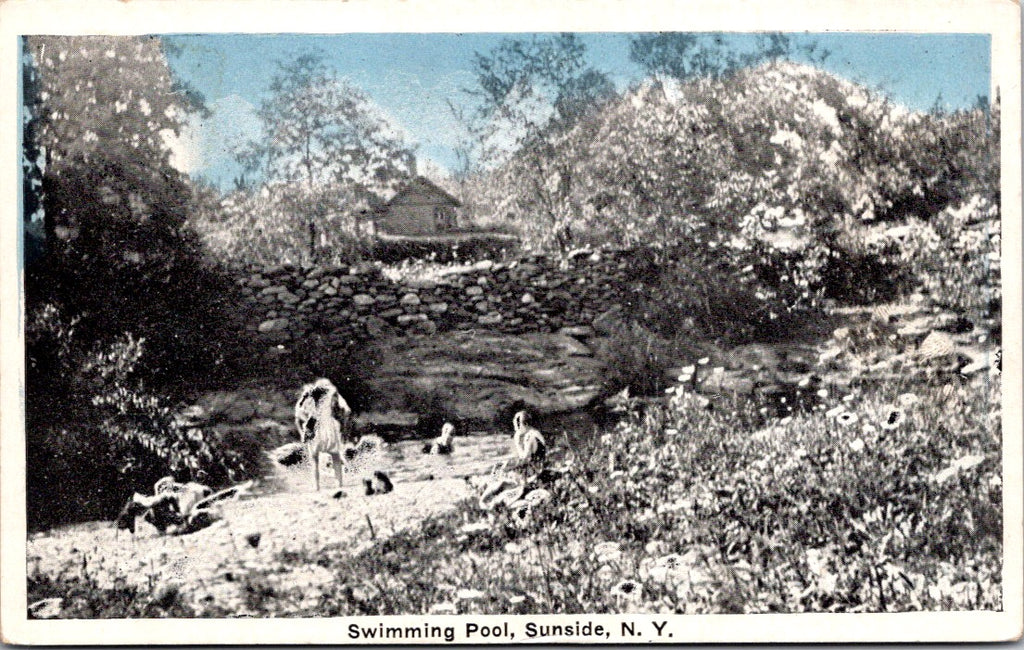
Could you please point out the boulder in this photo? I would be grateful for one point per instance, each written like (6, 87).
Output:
(424, 327)
(610, 322)
(578, 331)
(408, 319)
(273, 324)
(478, 376)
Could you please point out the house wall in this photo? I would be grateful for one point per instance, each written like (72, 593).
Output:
(412, 214)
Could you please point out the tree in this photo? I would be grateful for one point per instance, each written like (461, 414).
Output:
(101, 112)
(117, 299)
(530, 94)
(683, 56)
(323, 143)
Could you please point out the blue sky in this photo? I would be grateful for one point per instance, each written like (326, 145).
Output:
(412, 76)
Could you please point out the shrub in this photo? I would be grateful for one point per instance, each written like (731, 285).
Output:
(444, 249)
(682, 509)
(766, 167)
(94, 433)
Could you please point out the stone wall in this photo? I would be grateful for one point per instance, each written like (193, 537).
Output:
(534, 294)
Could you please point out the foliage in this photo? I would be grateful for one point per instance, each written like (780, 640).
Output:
(686, 55)
(94, 432)
(955, 256)
(781, 168)
(86, 600)
(118, 300)
(442, 249)
(324, 147)
(530, 94)
(263, 227)
(102, 112)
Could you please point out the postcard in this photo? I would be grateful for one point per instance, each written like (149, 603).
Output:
(440, 322)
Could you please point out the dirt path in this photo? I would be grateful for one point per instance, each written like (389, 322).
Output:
(209, 567)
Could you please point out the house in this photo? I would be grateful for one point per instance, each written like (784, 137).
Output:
(419, 208)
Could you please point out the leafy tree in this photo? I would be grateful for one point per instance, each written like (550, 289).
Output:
(323, 144)
(530, 93)
(101, 114)
(684, 55)
(117, 298)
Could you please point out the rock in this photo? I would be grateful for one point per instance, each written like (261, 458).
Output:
(410, 299)
(273, 324)
(388, 420)
(559, 301)
(363, 300)
(46, 608)
(439, 307)
(192, 416)
(424, 327)
(725, 383)
(609, 322)
(483, 265)
(937, 345)
(407, 319)
(478, 376)
(390, 313)
(474, 290)
(288, 298)
(578, 331)
(527, 299)
(489, 319)
(377, 328)
(329, 291)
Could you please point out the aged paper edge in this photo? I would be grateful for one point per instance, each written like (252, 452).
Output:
(999, 18)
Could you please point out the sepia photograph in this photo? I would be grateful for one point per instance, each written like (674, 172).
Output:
(514, 332)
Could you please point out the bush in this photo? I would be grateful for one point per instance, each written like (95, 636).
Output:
(765, 167)
(94, 433)
(682, 509)
(444, 249)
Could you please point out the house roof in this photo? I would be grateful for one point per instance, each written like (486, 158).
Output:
(424, 184)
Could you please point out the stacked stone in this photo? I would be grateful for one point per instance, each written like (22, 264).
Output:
(345, 304)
